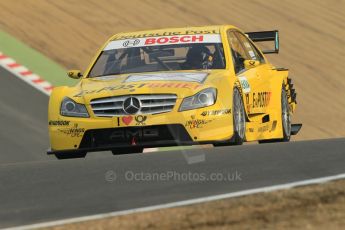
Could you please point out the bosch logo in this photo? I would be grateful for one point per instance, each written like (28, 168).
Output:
(131, 105)
(131, 43)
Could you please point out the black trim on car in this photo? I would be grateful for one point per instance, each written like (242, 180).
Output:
(170, 135)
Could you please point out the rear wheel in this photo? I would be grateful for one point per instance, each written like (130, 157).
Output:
(239, 120)
(63, 156)
(286, 117)
(127, 150)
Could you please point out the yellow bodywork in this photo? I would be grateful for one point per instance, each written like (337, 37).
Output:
(265, 82)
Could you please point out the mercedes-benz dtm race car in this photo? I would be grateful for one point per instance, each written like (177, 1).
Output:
(180, 86)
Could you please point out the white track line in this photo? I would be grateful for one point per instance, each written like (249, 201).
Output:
(183, 203)
(25, 74)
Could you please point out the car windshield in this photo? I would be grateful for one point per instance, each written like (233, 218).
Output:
(170, 53)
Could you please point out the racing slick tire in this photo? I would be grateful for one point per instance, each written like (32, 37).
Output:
(127, 150)
(239, 120)
(285, 118)
(63, 156)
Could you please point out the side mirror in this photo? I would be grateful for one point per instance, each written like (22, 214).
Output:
(75, 74)
(248, 64)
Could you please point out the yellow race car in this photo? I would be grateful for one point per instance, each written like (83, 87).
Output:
(178, 86)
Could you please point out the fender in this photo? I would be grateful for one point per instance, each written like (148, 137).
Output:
(55, 101)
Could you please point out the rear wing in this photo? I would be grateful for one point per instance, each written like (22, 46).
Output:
(264, 36)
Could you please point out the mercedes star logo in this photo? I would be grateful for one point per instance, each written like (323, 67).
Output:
(131, 105)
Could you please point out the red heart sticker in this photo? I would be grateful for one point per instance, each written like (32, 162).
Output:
(127, 120)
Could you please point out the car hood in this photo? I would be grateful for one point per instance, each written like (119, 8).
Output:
(182, 84)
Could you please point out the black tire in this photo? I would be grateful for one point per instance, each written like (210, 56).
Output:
(239, 121)
(64, 156)
(285, 118)
(239, 117)
(127, 150)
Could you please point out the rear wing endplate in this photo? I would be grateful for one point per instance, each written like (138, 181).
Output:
(264, 36)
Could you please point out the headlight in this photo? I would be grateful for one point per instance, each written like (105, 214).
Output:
(70, 108)
(204, 98)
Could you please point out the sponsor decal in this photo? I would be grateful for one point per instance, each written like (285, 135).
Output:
(264, 128)
(165, 33)
(268, 127)
(138, 86)
(131, 43)
(261, 99)
(163, 40)
(216, 112)
(247, 99)
(245, 84)
(248, 106)
(59, 123)
(75, 131)
(140, 119)
(188, 77)
(127, 120)
(128, 134)
(174, 39)
(174, 85)
(251, 130)
(196, 123)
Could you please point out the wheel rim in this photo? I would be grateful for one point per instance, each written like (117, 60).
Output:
(286, 118)
(239, 116)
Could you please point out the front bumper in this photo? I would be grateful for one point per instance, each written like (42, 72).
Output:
(159, 130)
(146, 137)
(102, 139)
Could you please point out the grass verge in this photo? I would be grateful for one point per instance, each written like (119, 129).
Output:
(311, 207)
(35, 61)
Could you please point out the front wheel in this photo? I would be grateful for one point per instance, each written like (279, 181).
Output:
(239, 121)
(127, 150)
(239, 118)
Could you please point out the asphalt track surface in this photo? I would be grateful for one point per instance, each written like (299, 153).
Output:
(23, 120)
(37, 188)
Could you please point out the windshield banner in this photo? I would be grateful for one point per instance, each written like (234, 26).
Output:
(164, 40)
(191, 77)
